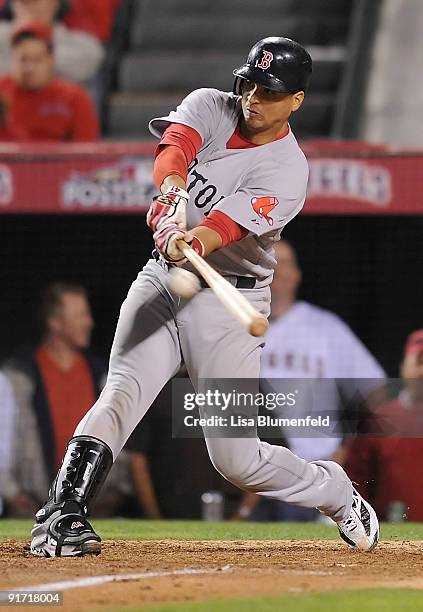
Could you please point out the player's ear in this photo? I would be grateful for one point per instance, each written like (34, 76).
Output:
(297, 100)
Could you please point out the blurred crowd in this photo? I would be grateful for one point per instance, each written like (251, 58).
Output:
(46, 389)
(52, 53)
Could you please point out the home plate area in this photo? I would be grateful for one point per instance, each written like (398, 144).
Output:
(153, 572)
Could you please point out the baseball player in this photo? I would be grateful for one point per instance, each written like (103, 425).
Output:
(231, 176)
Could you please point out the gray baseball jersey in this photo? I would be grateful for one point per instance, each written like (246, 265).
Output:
(262, 188)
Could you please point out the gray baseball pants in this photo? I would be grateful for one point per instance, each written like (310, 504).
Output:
(156, 331)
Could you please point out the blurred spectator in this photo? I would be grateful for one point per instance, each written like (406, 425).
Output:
(307, 342)
(143, 484)
(45, 107)
(7, 415)
(54, 386)
(93, 16)
(79, 53)
(387, 467)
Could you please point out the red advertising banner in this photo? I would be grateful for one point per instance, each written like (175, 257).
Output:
(100, 178)
(345, 178)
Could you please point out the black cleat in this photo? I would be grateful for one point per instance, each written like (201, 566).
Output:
(65, 535)
(61, 528)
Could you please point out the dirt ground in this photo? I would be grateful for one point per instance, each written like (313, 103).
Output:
(256, 568)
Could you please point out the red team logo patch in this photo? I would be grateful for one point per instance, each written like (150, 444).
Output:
(265, 61)
(263, 206)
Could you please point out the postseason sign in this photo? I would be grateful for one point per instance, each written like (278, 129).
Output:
(110, 178)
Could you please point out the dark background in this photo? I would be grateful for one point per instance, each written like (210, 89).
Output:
(366, 269)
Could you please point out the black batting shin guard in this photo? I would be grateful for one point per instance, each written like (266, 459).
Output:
(62, 529)
(84, 469)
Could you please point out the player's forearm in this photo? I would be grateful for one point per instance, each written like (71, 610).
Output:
(209, 239)
(173, 180)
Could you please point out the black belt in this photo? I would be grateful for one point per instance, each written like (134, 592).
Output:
(241, 282)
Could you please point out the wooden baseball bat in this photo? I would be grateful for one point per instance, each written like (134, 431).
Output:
(254, 322)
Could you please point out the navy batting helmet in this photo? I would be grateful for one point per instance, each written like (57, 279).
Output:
(280, 64)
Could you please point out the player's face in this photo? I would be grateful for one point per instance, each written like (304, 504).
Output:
(73, 323)
(266, 110)
(287, 274)
(32, 64)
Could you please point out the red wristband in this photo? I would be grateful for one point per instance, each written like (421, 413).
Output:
(197, 246)
(228, 229)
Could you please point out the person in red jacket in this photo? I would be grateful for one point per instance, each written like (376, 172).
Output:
(386, 467)
(45, 107)
(95, 17)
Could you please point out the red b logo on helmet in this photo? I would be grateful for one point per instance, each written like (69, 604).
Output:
(265, 61)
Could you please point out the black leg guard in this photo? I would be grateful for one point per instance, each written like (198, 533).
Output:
(61, 528)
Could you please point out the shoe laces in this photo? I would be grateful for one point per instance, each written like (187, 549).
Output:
(350, 524)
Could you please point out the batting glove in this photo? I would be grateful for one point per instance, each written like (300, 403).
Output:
(166, 241)
(168, 208)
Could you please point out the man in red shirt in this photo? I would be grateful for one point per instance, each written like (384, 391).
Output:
(387, 467)
(79, 53)
(93, 16)
(47, 108)
(53, 386)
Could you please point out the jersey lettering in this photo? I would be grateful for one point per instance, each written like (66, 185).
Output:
(196, 176)
(206, 194)
(202, 194)
(295, 362)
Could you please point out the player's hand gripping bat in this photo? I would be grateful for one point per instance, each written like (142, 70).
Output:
(255, 323)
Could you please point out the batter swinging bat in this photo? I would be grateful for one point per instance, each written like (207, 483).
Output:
(254, 322)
